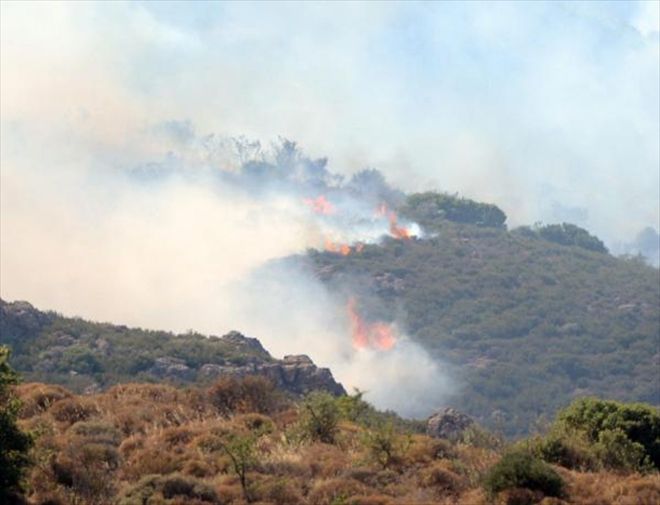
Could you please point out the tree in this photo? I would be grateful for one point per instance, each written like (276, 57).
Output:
(241, 450)
(319, 417)
(385, 445)
(14, 444)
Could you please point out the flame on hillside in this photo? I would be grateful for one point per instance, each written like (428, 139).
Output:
(343, 249)
(396, 230)
(365, 335)
(320, 205)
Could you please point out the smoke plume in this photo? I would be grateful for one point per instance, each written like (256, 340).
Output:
(196, 241)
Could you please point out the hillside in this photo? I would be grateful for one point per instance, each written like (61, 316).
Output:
(528, 318)
(87, 356)
(238, 442)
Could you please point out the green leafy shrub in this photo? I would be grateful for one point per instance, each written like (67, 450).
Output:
(569, 451)
(430, 207)
(522, 470)
(319, 417)
(625, 435)
(14, 444)
(385, 445)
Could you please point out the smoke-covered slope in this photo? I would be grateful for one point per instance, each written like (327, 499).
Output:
(528, 323)
(87, 356)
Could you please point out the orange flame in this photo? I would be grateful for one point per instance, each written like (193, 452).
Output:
(320, 205)
(343, 249)
(398, 232)
(377, 335)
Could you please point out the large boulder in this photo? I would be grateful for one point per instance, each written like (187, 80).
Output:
(448, 423)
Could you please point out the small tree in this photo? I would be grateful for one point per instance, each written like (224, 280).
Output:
(241, 450)
(14, 444)
(319, 417)
(385, 445)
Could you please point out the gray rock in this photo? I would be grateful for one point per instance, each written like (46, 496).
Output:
(236, 338)
(168, 367)
(296, 374)
(448, 423)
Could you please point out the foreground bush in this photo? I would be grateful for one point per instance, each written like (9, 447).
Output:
(520, 470)
(156, 489)
(14, 444)
(591, 434)
(604, 421)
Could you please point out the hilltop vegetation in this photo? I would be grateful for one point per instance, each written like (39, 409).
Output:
(528, 318)
(240, 441)
(88, 356)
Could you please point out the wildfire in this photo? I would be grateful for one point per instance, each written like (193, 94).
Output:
(377, 335)
(320, 205)
(397, 231)
(343, 249)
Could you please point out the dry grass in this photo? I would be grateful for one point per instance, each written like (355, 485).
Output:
(160, 445)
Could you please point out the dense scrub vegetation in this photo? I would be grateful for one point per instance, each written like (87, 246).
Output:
(529, 319)
(156, 444)
(81, 354)
(14, 444)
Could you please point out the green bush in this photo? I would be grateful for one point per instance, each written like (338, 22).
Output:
(522, 470)
(319, 417)
(14, 444)
(627, 435)
(385, 445)
(568, 451)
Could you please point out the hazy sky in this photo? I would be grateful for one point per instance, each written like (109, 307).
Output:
(549, 110)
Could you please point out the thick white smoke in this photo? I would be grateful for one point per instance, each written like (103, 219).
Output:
(185, 244)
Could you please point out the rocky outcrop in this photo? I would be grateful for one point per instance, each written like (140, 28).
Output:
(98, 355)
(448, 423)
(172, 368)
(296, 374)
(241, 341)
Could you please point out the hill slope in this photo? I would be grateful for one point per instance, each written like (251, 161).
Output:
(87, 356)
(528, 318)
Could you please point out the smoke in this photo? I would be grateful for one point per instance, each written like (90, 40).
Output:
(292, 312)
(195, 241)
(112, 210)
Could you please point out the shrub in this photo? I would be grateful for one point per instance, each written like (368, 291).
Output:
(616, 451)
(176, 487)
(72, 410)
(96, 431)
(278, 491)
(441, 478)
(14, 444)
(385, 445)
(85, 469)
(637, 422)
(319, 417)
(335, 491)
(37, 398)
(573, 452)
(249, 394)
(522, 470)
(190, 487)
